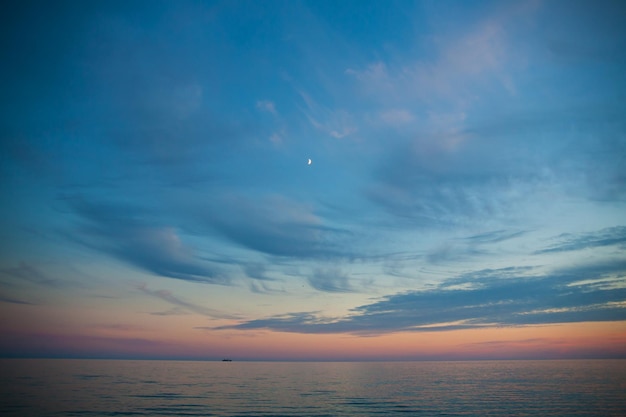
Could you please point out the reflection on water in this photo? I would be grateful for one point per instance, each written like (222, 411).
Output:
(171, 388)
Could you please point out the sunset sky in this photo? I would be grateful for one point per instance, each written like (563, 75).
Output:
(313, 180)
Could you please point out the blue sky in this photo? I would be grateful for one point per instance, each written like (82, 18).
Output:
(468, 169)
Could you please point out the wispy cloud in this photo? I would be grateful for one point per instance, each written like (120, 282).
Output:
(176, 311)
(4, 298)
(256, 271)
(460, 68)
(266, 105)
(440, 173)
(488, 298)
(121, 232)
(170, 298)
(453, 252)
(397, 117)
(275, 225)
(120, 327)
(336, 123)
(26, 272)
(330, 280)
(262, 287)
(161, 121)
(495, 236)
(612, 236)
(476, 245)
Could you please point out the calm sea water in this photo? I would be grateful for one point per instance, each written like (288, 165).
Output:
(173, 388)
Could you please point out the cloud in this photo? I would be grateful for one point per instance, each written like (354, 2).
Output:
(448, 170)
(121, 327)
(397, 117)
(29, 273)
(486, 298)
(157, 103)
(471, 246)
(336, 123)
(277, 138)
(127, 234)
(266, 105)
(461, 64)
(435, 181)
(194, 308)
(275, 225)
(170, 136)
(490, 170)
(291, 322)
(176, 311)
(146, 107)
(256, 271)
(451, 252)
(330, 280)
(409, 189)
(474, 153)
(262, 287)
(611, 236)
(12, 300)
(495, 236)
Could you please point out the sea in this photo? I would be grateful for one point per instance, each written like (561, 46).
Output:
(63, 388)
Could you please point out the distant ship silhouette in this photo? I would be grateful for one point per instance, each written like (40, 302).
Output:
(227, 360)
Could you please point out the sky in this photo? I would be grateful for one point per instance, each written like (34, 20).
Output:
(313, 180)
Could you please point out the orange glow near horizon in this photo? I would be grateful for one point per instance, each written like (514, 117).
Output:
(71, 334)
(578, 340)
(563, 340)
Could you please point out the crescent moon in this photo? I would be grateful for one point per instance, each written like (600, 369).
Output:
(310, 162)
